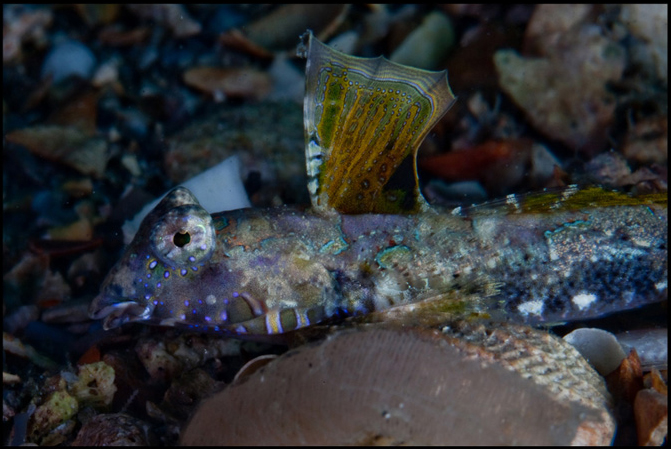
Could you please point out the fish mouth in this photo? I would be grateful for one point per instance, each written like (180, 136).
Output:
(117, 313)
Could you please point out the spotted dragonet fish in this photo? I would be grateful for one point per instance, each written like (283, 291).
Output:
(371, 243)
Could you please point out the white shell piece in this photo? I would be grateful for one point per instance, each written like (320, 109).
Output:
(218, 189)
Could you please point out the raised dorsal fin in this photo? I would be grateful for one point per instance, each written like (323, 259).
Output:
(364, 121)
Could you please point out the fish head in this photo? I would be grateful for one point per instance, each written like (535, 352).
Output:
(173, 242)
(188, 269)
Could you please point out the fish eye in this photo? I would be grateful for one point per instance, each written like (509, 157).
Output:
(181, 239)
(184, 236)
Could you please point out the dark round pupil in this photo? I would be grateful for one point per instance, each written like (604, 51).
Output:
(181, 239)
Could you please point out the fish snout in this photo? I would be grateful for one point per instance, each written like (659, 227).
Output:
(115, 311)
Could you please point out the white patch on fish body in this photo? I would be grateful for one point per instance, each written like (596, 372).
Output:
(534, 307)
(583, 300)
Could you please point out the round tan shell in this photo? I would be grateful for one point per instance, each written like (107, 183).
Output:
(514, 385)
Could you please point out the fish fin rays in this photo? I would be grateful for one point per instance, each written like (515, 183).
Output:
(364, 121)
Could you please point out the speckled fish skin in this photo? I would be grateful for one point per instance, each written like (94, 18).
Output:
(269, 271)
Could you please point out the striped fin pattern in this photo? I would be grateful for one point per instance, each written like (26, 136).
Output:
(364, 121)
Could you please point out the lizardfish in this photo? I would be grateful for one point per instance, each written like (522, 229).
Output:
(370, 242)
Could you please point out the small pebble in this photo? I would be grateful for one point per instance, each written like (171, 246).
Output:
(599, 347)
(67, 59)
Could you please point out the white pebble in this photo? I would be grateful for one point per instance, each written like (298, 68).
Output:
(599, 347)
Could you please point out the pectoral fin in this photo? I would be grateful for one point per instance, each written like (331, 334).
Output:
(364, 121)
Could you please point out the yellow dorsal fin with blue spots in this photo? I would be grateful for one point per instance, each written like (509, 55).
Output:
(364, 121)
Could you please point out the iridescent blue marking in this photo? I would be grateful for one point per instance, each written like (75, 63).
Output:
(194, 268)
(153, 264)
(203, 247)
(301, 318)
(183, 272)
(235, 294)
(148, 275)
(186, 302)
(192, 259)
(224, 316)
(155, 302)
(207, 318)
(195, 311)
(220, 223)
(158, 285)
(200, 301)
(147, 296)
(327, 247)
(166, 274)
(381, 254)
(572, 224)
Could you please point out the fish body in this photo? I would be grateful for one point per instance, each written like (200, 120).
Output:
(268, 271)
(370, 242)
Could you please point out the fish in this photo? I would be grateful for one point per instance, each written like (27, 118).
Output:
(370, 243)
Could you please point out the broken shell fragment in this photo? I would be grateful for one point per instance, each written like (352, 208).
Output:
(565, 94)
(278, 30)
(116, 429)
(427, 46)
(651, 409)
(66, 145)
(174, 17)
(234, 83)
(471, 385)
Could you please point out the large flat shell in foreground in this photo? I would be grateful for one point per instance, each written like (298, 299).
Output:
(391, 386)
